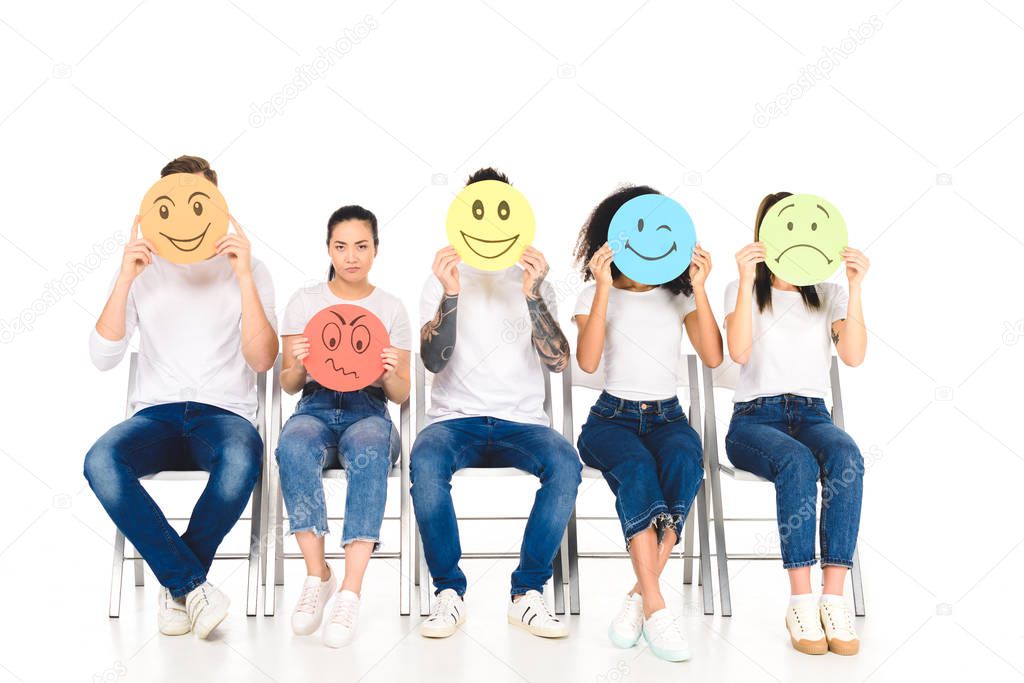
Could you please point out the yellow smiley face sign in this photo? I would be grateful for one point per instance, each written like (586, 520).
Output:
(184, 215)
(490, 224)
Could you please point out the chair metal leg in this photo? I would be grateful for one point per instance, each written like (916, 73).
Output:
(858, 587)
(273, 535)
(116, 576)
(557, 583)
(721, 553)
(255, 542)
(425, 582)
(139, 567)
(688, 548)
(406, 522)
(572, 542)
(707, 588)
(279, 545)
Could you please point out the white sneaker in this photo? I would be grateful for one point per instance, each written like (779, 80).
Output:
(804, 625)
(446, 615)
(171, 617)
(627, 626)
(309, 611)
(341, 624)
(530, 612)
(665, 638)
(206, 606)
(837, 619)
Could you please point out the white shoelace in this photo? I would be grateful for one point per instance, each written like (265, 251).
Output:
(631, 615)
(841, 617)
(540, 607)
(344, 612)
(663, 627)
(444, 608)
(308, 598)
(806, 617)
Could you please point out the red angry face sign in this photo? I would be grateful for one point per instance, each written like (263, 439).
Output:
(345, 343)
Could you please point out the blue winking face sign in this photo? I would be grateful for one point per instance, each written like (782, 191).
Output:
(653, 239)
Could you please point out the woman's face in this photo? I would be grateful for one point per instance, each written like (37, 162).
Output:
(351, 250)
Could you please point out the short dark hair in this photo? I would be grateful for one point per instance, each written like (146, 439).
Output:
(488, 173)
(594, 234)
(190, 164)
(348, 213)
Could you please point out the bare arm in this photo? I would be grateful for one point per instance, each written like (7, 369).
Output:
(259, 340)
(293, 372)
(850, 335)
(592, 327)
(701, 326)
(396, 374)
(138, 254)
(738, 324)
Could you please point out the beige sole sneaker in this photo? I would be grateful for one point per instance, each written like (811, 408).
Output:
(808, 647)
(846, 648)
(538, 631)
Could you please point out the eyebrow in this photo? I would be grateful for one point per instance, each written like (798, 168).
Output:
(339, 318)
(344, 242)
(823, 210)
(195, 193)
(163, 196)
(787, 206)
(357, 318)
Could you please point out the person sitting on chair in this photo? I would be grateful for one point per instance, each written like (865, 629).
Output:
(205, 330)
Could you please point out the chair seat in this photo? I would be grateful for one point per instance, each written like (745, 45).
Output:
(178, 475)
(591, 472)
(741, 475)
(339, 473)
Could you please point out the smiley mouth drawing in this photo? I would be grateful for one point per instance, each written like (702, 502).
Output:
(198, 239)
(794, 246)
(469, 239)
(342, 370)
(650, 258)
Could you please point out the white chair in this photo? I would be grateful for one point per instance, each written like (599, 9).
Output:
(422, 577)
(686, 372)
(725, 377)
(274, 571)
(255, 517)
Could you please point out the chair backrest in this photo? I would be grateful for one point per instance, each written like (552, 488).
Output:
(575, 378)
(423, 380)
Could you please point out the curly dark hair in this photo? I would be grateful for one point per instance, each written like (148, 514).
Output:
(594, 234)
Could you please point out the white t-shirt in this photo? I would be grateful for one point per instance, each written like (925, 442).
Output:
(189, 319)
(642, 340)
(309, 301)
(494, 370)
(792, 345)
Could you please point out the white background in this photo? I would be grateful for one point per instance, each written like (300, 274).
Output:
(915, 136)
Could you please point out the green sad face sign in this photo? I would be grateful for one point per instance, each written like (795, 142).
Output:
(803, 236)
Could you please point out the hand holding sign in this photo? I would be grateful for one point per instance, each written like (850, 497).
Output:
(346, 343)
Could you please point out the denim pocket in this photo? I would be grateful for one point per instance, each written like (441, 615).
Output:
(674, 414)
(602, 409)
(743, 408)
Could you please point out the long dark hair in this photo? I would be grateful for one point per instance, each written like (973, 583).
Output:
(762, 276)
(347, 213)
(594, 234)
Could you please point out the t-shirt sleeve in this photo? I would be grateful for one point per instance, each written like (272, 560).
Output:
(840, 301)
(106, 353)
(585, 301)
(400, 333)
(731, 290)
(685, 304)
(296, 314)
(265, 289)
(430, 299)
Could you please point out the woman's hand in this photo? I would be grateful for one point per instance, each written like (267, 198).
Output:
(389, 356)
(747, 259)
(857, 265)
(700, 267)
(300, 349)
(600, 265)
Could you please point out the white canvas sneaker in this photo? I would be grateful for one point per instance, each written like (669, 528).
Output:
(531, 613)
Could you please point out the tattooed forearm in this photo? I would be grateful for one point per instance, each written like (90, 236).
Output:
(548, 339)
(437, 337)
(835, 332)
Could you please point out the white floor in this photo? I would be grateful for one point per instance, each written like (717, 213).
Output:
(57, 629)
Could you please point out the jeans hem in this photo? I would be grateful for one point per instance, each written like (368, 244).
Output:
(521, 590)
(797, 565)
(348, 539)
(835, 562)
(658, 517)
(318, 530)
(189, 587)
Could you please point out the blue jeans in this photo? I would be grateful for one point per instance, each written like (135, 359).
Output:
(331, 429)
(651, 458)
(792, 441)
(445, 447)
(176, 436)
